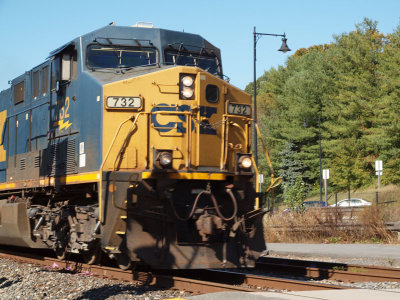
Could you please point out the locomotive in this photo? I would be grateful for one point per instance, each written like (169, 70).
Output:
(128, 141)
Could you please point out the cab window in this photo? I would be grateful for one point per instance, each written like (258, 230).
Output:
(35, 84)
(44, 86)
(19, 92)
(112, 57)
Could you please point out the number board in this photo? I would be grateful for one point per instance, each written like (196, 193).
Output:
(124, 102)
(239, 109)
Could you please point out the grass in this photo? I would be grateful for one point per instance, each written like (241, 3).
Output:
(331, 225)
(328, 225)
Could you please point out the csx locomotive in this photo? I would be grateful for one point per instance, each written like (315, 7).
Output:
(128, 141)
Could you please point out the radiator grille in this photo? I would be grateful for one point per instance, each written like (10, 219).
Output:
(62, 158)
(22, 164)
(70, 160)
(36, 162)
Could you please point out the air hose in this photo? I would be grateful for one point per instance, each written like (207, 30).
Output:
(214, 200)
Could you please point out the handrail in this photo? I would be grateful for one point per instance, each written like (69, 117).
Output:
(105, 159)
(274, 181)
(225, 135)
(124, 144)
(257, 204)
(264, 148)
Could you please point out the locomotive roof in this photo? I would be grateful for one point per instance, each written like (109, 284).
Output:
(158, 37)
(137, 36)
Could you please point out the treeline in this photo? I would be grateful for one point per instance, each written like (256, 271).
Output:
(352, 87)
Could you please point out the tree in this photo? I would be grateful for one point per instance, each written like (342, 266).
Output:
(353, 87)
(291, 167)
(349, 167)
(295, 195)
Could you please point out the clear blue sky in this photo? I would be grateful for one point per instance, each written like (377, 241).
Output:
(31, 29)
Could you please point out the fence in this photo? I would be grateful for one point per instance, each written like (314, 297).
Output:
(380, 198)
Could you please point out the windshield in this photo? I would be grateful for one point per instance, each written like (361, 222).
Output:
(108, 56)
(207, 62)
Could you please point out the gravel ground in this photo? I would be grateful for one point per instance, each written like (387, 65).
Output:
(25, 281)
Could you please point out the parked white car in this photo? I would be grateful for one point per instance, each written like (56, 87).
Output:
(352, 202)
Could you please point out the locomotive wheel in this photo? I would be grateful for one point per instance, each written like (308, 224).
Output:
(93, 255)
(123, 261)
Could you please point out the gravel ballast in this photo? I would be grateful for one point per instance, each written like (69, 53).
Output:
(26, 281)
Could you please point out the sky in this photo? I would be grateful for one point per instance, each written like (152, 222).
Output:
(31, 29)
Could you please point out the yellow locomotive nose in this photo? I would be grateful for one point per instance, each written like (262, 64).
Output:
(184, 111)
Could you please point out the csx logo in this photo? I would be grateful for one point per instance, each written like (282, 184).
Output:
(205, 111)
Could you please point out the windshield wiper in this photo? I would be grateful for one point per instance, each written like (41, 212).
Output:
(124, 68)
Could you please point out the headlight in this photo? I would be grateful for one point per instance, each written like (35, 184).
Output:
(187, 92)
(187, 81)
(186, 86)
(162, 159)
(245, 162)
(165, 158)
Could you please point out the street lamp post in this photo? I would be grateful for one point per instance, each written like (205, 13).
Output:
(284, 48)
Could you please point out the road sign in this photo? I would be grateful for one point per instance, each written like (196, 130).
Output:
(325, 176)
(260, 178)
(379, 169)
(378, 165)
(325, 173)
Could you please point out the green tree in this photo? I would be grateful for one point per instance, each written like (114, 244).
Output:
(349, 167)
(291, 168)
(353, 87)
(295, 195)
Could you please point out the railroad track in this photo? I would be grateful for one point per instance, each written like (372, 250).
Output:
(257, 282)
(195, 281)
(326, 270)
(142, 278)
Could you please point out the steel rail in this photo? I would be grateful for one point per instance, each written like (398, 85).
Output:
(266, 282)
(195, 281)
(143, 278)
(331, 271)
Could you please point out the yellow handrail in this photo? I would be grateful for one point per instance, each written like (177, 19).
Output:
(123, 146)
(257, 204)
(104, 161)
(274, 181)
(264, 148)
